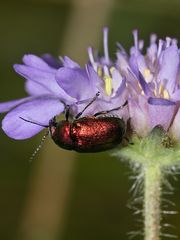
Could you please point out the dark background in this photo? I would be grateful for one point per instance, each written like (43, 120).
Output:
(90, 201)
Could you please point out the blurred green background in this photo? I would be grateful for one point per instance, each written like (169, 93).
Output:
(64, 195)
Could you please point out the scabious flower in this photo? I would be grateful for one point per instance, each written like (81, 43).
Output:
(153, 84)
(53, 84)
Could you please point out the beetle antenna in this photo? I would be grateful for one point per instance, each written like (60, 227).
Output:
(94, 99)
(34, 122)
(111, 110)
(39, 147)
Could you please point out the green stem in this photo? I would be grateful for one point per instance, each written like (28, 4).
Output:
(152, 201)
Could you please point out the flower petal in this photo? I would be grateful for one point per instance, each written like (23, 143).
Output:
(169, 67)
(37, 62)
(122, 62)
(94, 79)
(139, 117)
(51, 61)
(75, 82)
(121, 87)
(144, 84)
(6, 106)
(40, 110)
(35, 89)
(67, 62)
(45, 79)
(161, 115)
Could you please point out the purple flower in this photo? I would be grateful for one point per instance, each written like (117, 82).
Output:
(153, 84)
(150, 82)
(52, 85)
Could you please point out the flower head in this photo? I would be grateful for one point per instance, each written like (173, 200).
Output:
(153, 84)
(150, 83)
(51, 85)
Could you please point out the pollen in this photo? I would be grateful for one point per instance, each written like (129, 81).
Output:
(108, 85)
(99, 71)
(112, 70)
(163, 92)
(147, 74)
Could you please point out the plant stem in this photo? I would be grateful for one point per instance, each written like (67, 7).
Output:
(152, 201)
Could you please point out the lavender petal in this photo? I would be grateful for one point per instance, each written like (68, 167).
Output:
(45, 79)
(39, 110)
(161, 115)
(75, 82)
(7, 106)
(169, 64)
(37, 63)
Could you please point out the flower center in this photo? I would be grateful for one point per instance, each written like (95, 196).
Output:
(105, 74)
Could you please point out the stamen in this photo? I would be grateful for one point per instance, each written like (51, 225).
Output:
(99, 71)
(105, 41)
(168, 42)
(147, 73)
(153, 38)
(161, 89)
(91, 56)
(108, 84)
(112, 70)
(108, 81)
(165, 94)
(141, 44)
(160, 45)
(135, 35)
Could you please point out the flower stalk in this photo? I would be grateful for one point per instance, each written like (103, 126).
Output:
(152, 158)
(152, 201)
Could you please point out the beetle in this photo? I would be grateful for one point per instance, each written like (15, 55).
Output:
(95, 133)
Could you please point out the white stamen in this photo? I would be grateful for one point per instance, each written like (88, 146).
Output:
(91, 58)
(90, 54)
(135, 35)
(141, 44)
(168, 42)
(153, 38)
(160, 45)
(105, 42)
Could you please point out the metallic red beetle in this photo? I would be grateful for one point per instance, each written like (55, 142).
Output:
(95, 133)
(88, 134)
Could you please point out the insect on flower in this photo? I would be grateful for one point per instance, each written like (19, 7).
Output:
(95, 133)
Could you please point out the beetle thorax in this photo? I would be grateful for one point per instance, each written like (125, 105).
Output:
(61, 134)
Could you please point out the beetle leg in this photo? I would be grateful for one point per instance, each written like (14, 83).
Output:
(94, 99)
(67, 109)
(108, 111)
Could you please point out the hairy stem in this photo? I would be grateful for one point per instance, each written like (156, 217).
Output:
(152, 201)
